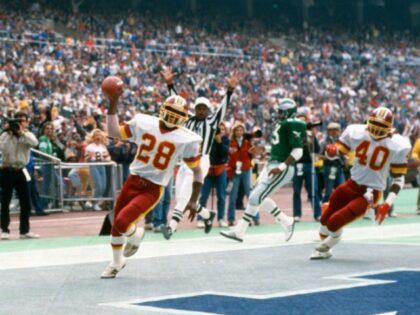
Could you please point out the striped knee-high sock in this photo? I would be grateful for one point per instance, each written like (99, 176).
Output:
(177, 216)
(117, 243)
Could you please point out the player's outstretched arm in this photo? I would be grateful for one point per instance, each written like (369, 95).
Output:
(112, 117)
(233, 81)
(220, 113)
(196, 189)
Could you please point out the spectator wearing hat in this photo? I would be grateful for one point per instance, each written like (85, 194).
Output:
(333, 162)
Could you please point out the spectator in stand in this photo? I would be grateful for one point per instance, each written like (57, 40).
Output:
(239, 168)
(48, 188)
(33, 187)
(217, 175)
(97, 152)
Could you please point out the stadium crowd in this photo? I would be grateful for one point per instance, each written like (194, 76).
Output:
(334, 76)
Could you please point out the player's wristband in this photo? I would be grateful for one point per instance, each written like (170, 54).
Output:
(282, 166)
(391, 197)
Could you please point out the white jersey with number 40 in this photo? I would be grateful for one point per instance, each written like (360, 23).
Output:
(373, 160)
(158, 149)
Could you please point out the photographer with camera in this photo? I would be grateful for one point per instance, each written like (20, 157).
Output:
(15, 144)
(217, 175)
(305, 172)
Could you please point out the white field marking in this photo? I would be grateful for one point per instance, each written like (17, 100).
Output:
(354, 279)
(101, 253)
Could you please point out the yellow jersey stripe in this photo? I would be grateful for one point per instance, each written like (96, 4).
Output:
(399, 169)
(125, 132)
(193, 162)
(344, 149)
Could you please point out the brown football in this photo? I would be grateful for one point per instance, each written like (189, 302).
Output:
(112, 86)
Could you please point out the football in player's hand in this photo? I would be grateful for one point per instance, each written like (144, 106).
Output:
(112, 86)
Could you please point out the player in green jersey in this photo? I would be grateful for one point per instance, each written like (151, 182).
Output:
(286, 149)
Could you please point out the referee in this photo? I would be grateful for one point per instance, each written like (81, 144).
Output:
(205, 125)
(15, 143)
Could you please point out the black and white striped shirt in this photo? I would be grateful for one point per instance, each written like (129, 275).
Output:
(206, 128)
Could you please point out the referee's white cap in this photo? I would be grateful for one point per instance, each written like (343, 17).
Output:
(204, 101)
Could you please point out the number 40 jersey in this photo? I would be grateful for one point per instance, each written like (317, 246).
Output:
(159, 150)
(374, 159)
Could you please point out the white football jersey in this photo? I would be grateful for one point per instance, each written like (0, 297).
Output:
(159, 150)
(373, 160)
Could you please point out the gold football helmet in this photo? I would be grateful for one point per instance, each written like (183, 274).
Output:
(379, 123)
(174, 111)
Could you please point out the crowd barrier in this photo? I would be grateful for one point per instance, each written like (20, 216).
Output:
(74, 186)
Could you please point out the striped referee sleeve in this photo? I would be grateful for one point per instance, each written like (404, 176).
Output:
(172, 90)
(215, 119)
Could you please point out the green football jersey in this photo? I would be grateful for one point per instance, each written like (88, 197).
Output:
(287, 135)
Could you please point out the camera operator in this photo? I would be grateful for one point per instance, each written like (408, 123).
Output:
(15, 144)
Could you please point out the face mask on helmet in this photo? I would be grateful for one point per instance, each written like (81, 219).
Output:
(173, 112)
(379, 123)
(286, 109)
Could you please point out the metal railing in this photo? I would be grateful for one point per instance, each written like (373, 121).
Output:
(64, 184)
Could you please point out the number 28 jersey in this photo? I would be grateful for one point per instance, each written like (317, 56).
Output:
(159, 150)
(373, 160)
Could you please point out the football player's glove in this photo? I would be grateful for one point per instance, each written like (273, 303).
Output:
(382, 212)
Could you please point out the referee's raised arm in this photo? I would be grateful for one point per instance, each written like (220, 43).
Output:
(220, 113)
(169, 76)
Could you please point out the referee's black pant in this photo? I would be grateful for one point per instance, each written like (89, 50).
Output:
(11, 179)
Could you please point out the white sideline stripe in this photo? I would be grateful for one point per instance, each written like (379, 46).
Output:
(353, 280)
(101, 253)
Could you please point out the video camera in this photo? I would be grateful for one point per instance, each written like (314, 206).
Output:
(313, 124)
(14, 126)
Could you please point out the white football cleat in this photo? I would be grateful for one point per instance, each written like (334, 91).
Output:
(232, 234)
(111, 271)
(288, 225)
(317, 255)
(322, 247)
(133, 243)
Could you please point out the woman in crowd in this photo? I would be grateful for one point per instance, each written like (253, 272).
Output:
(96, 151)
(239, 168)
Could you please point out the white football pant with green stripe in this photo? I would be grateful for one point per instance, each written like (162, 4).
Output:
(267, 186)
